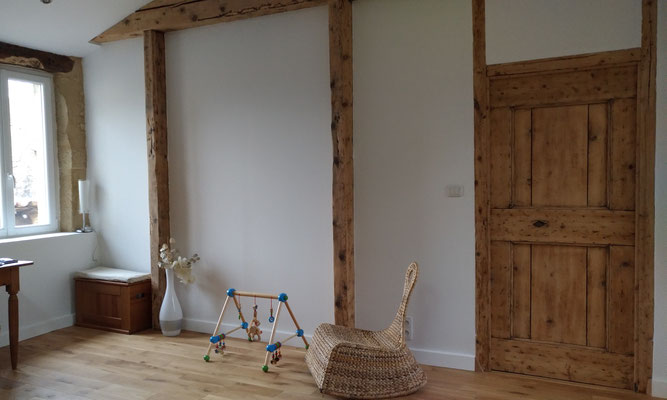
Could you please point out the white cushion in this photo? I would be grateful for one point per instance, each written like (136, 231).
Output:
(113, 274)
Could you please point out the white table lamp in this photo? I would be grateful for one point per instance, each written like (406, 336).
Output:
(84, 203)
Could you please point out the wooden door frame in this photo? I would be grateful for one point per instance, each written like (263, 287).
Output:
(645, 178)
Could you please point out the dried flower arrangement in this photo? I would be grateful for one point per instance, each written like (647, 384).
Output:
(171, 259)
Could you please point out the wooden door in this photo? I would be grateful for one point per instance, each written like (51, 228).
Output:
(562, 219)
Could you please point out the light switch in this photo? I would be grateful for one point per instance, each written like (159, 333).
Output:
(454, 190)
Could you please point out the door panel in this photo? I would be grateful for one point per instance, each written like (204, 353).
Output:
(562, 224)
(521, 278)
(596, 291)
(522, 167)
(560, 156)
(622, 300)
(623, 136)
(558, 308)
(598, 149)
(500, 293)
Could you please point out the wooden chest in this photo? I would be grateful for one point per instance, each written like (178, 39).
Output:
(113, 306)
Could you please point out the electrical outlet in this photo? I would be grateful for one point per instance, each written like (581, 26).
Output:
(409, 328)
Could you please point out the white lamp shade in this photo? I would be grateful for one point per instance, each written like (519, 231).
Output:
(84, 200)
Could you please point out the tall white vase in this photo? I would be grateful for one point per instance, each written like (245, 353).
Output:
(171, 314)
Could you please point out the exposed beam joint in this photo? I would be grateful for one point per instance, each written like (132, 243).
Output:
(174, 15)
(36, 59)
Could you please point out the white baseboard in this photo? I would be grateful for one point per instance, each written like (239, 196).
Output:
(38, 328)
(444, 359)
(659, 388)
(428, 357)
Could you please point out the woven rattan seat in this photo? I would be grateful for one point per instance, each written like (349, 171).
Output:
(360, 364)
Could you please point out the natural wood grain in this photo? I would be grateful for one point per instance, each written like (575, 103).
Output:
(522, 159)
(482, 186)
(575, 363)
(597, 154)
(158, 170)
(559, 162)
(167, 15)
(645, 207)
(521, 293)
(623, 156)
(115, 306)
(558, 313)
(501, 157)
(37, 59)
(10, 278)
(78, 363)
(596, 293)
(567, 63)
(501, 281)
(340, 65)
(621, 299)
(592, 227)
(558, 87)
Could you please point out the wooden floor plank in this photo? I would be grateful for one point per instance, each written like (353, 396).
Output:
(78, 363)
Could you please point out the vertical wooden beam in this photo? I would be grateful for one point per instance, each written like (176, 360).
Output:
(158, 172)
(644, 246)
(482, 182)
(340, 62)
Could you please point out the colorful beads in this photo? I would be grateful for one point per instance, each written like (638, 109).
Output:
(276, 357)
(207, 358)
(282, 297)
(265, 368)
(273, 347)
(299, 332)
(217, 338)
(271, 319)
(244, 325)
(230, 292)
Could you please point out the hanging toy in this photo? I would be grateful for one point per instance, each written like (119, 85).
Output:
(219, 341)
(220, 348)
(271, 319)
(254, 333)
(275, 357)
(238, 307)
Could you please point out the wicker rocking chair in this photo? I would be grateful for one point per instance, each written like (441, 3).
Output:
(359, 364)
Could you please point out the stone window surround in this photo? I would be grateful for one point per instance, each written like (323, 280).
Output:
(70, 124)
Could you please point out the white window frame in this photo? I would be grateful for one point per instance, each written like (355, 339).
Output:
(9, 229)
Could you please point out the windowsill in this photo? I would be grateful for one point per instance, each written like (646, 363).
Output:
(39, 237)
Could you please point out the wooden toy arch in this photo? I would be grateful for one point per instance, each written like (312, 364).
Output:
(272, 346)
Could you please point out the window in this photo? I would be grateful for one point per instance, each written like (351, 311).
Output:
(27, 164)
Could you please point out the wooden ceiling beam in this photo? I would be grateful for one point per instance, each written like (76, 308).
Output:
(174, 15)
(36, 59)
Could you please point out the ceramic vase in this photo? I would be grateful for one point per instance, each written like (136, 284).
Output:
(171, 314)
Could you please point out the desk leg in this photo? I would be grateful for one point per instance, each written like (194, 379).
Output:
(13, 302)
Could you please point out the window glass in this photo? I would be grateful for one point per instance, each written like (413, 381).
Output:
(28, 150)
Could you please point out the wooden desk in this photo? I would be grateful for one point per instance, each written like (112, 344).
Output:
(9, 277)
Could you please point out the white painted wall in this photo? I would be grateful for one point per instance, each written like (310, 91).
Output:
(255, 112)
(413, 127)
(250, 164)
(660, 333)
(528, 29)
(46, 297)
(117, 164)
